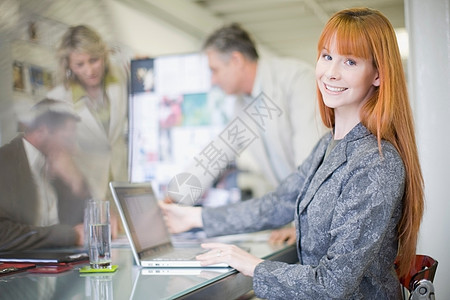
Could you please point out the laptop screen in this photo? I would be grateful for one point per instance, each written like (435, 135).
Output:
(143, 215)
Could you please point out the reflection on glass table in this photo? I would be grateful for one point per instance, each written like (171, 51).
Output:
(129, 280)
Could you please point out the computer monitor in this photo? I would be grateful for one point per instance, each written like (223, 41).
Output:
(173, 113)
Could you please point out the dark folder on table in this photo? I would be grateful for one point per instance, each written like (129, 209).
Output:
(44, 257)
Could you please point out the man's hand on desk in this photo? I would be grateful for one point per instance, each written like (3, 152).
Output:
(181, 218)
(234, 256)
(79, 231)
(168, 200)
(283, 235)
(114, 220)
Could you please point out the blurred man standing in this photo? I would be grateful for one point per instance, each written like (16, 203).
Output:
(289, 85)
(237, 69)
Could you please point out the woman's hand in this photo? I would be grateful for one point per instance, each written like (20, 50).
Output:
(283, 235)
(232, 255)
(181, 218)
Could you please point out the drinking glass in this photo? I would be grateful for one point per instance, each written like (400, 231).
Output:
(99, 234)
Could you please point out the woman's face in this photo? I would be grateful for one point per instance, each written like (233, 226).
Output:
(345, 81)
(88, 69)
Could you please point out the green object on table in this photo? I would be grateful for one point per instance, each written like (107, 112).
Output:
(88, 269)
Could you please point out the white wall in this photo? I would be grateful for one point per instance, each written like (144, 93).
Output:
(147, 35)
(428, 23)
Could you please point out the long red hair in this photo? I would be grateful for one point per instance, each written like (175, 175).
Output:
(366, 33)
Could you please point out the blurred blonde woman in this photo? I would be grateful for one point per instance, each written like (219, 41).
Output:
(100, 98)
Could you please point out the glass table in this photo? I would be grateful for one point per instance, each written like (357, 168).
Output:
(133, 282)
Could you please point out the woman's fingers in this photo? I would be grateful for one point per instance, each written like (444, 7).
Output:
(232, 255)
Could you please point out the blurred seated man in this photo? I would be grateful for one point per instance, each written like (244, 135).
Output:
(42, 193)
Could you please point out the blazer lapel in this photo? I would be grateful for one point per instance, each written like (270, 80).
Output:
(322, 170)
(316, 162)
(89, 122)
(26, 202)
(117, 107)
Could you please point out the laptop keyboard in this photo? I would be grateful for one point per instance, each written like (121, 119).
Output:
(179, 254)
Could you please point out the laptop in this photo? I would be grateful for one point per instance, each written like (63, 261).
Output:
(146, 230)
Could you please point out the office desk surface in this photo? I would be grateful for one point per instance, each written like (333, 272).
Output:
(132, 282)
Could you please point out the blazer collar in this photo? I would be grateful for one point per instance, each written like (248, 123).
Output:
(321, 169)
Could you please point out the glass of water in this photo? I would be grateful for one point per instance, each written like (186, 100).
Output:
(99, 234)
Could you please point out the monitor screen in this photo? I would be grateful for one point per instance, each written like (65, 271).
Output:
(174, 112)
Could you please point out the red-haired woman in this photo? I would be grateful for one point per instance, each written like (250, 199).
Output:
(357, 200)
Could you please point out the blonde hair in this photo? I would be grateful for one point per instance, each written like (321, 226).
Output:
(368, 34)
(83, 39)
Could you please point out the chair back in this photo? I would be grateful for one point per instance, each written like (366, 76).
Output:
(419, 280)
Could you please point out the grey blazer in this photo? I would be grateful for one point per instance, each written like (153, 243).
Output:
(346, 209)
